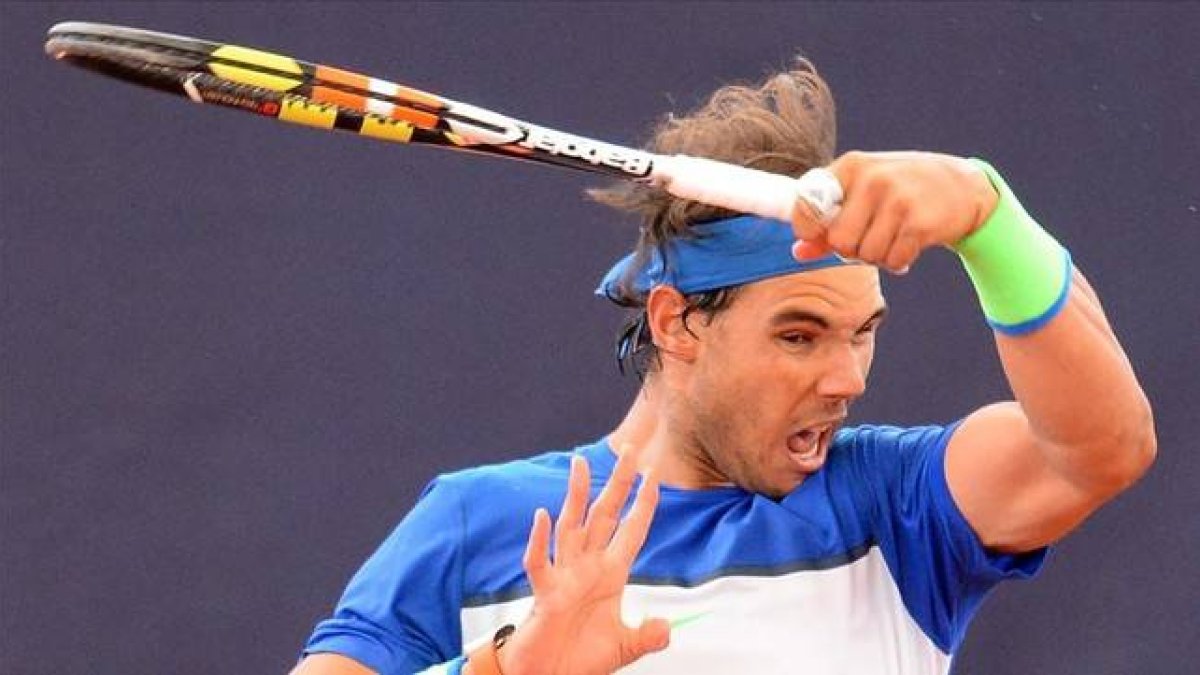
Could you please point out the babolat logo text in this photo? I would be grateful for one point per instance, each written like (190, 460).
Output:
(593, 152)
(232, 99)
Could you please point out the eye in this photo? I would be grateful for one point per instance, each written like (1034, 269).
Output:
(797, 338)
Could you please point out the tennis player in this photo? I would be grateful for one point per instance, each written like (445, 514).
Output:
(764, 536)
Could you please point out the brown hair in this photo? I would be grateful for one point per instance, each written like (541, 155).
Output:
(784, 125)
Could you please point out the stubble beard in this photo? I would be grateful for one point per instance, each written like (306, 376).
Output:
(722, 452)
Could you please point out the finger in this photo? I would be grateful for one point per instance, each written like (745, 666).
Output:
(848, 228)
(882, 231)
(807, 249)
(807, 223)
(605, 513)
(861, 194)
(902, 254)
(568, 534)
(537, 554)
(653, 635)
(631, 535)
(812, 227)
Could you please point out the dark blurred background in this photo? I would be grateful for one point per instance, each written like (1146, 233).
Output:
(233, 351)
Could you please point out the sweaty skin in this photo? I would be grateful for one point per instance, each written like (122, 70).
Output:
(752, 398)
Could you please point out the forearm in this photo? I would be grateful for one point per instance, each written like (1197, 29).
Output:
(1075, 385)
(1086, 414)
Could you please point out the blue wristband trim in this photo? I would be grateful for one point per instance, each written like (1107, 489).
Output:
(1029, 326)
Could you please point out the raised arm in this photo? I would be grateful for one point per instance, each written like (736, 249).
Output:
(1081, 431)
(1023, 472)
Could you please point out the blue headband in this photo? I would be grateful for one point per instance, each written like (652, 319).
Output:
(728, 252)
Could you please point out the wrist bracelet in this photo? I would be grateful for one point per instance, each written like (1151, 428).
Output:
(1021, 274)
(485, 660)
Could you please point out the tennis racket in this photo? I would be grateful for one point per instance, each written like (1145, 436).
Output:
(283, 88)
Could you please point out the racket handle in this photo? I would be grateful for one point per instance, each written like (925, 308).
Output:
(744, 190)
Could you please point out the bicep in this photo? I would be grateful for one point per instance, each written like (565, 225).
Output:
(330, 664)
(1007, 487)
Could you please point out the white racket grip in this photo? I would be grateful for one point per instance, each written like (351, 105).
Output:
(744, 190)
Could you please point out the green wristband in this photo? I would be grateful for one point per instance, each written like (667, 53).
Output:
(1021, 273)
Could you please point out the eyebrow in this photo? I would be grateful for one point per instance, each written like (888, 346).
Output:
(790, 315)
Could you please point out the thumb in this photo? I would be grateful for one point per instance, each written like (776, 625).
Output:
(808, 222)
(653, 635)
(807, 249)
(810, 228)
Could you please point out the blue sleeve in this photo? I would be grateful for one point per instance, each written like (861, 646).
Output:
(399, 614)
(942, 568)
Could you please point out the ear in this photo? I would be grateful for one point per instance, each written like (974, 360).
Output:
(664, 314)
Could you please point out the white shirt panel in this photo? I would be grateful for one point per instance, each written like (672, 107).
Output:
(846, 620)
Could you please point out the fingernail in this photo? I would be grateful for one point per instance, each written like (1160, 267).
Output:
(804, 250)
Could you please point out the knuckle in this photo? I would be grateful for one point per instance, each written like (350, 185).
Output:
(901, 203)
(871, 251)
(877, 181)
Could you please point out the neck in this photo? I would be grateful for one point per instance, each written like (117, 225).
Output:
(650, 424)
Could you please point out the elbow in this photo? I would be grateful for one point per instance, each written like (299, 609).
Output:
(1129, 452)
(1143, 446)
(1140, 457)
(1146, 447)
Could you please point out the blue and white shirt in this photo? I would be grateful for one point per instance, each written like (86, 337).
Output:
(867, 567)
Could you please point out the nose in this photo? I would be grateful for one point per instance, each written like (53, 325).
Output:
(844, 375)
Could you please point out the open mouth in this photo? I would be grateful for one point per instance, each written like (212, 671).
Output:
(807, 447)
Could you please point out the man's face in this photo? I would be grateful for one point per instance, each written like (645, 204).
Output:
(776, 371)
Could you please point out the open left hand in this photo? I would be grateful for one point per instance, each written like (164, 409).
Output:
(575, 626)
(896, 205)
